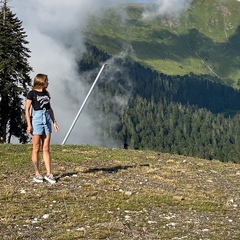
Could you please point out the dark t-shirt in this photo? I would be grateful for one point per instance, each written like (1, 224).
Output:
(40, 100)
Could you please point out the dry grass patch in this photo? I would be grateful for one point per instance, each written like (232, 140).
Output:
(118, 194)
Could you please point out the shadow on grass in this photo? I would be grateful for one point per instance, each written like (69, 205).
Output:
(114, 169)
(104, 170)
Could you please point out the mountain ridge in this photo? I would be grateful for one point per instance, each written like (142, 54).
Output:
(203, 41)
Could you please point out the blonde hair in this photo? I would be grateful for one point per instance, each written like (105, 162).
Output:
(40, 81)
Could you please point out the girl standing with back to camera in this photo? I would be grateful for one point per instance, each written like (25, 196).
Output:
(41, 126)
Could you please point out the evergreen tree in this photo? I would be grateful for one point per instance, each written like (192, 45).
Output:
(14, 75)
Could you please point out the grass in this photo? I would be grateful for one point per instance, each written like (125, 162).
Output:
(106, 193)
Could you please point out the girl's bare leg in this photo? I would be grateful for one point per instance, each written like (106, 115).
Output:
(46, 152)
(35, 153)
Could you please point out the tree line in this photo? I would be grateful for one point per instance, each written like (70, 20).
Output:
(181, 129)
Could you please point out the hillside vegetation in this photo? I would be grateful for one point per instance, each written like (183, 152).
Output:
(187, 115)
(104, 193)
(204, 40)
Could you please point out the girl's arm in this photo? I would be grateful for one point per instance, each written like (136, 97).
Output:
(53, 119)
(27, 115)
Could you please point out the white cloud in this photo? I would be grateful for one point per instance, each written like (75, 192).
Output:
(170, 8)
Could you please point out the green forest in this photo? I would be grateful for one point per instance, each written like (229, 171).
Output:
(188, 115)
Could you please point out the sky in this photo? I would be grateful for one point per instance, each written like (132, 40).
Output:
(54, 30)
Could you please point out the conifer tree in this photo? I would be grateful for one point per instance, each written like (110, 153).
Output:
(14, 75)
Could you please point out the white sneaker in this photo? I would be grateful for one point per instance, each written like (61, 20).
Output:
(38, 178)
(50, 178)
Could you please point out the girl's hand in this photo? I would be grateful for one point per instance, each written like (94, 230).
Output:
(56, 127)
(29, 129)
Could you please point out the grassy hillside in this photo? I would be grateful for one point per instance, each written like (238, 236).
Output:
(118, 194)
(205, 40)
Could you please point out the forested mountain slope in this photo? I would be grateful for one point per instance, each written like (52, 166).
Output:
(188, 115)
(184, 76)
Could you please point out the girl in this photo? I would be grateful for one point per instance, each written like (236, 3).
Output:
(41, 125)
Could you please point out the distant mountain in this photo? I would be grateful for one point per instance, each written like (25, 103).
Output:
(203, 41)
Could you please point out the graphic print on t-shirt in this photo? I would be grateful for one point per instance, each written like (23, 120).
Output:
(43, 100)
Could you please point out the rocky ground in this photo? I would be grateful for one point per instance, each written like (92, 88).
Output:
(120, 194)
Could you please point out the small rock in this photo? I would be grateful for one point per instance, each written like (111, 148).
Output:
(82, 229)
(119, 225)
(22, 191)
(171, 225)
(128, 193)
(35, 220)
(45, 216)
(178, 198)
(152, 222)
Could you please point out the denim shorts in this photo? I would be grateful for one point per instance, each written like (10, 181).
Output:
(41, 123)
